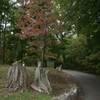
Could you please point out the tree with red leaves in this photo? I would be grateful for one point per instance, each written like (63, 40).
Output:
(36, 20)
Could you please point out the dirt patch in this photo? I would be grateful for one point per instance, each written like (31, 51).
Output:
(60, 82)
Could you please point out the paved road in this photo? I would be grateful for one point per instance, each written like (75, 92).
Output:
(89, 83)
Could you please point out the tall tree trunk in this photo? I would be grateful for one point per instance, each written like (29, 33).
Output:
(44, 50)
(43, 55)
(44, 43)
(4, 43)
(3, 56)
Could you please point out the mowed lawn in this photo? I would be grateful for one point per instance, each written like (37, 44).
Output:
(26, 95)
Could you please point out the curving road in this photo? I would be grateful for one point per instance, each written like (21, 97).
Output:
(89, 83)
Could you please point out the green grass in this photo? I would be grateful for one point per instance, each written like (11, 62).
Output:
(27, 95)
(3, 75)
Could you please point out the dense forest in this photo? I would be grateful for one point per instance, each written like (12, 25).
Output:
(71, 38)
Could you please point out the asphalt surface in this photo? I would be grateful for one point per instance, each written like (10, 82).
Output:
(89, 83)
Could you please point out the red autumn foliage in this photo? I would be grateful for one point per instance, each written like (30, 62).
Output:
(33, 22)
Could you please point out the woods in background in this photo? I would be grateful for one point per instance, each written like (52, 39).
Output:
(73, 40)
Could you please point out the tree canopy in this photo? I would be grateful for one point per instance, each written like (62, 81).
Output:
(68, 30)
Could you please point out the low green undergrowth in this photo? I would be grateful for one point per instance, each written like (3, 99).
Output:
(27, 95)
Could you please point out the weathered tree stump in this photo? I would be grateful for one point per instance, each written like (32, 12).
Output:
(17, 77)
(41, 82)
(59, 68)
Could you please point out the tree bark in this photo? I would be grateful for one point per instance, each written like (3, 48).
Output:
(17, 77)
(41, 82)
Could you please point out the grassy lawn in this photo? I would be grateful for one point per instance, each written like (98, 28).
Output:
(3, 75)
(27, 95)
